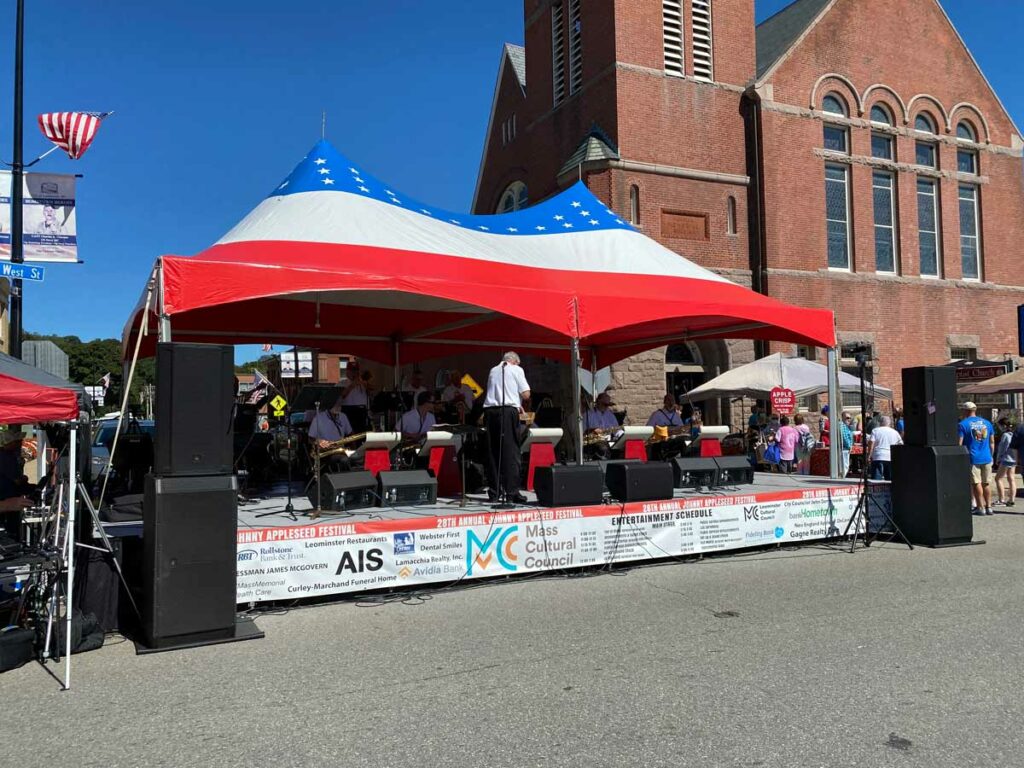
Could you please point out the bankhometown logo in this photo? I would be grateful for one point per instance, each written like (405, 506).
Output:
(498, 545)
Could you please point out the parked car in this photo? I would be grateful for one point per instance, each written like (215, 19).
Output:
(103, 439)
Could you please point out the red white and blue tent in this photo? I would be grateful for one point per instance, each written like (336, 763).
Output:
(337, 260)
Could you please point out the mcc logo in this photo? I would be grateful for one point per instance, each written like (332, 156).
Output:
(498, 544)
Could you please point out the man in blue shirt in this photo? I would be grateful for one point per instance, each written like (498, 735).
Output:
(978, 437)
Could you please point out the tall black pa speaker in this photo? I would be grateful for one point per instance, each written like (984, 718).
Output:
(931, 494)
(568, 486)
(195, 390)
(651, 481)
(929, 399)
(189, 560)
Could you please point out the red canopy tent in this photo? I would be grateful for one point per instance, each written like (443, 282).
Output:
(334, 259)
(29, 395)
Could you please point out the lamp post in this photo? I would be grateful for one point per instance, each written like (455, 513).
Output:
(17, 172)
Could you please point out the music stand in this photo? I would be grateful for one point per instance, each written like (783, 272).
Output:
(711, 434)
(632, 433)
(375, 443)
(544, 439)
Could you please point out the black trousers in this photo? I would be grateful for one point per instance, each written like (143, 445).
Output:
(503, 468)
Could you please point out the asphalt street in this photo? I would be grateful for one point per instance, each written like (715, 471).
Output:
(798, 657)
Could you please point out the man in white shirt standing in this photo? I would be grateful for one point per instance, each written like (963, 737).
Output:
(880, 443)
(507, 393)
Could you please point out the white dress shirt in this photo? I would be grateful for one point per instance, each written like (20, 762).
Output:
(330, 426)
(515, 386)
(663, 418)
(414, 424)
(596, 419)
(357, 396)
(451, 392)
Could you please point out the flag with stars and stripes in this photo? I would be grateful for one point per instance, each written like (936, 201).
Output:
(346, 262)
(71, 131)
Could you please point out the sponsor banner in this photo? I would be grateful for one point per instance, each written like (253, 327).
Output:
(289, 562)
(49, 226)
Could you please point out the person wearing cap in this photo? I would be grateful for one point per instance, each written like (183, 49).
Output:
(600, 420)
(978, 437)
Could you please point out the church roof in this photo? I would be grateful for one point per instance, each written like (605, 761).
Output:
(777, 34)
(517, 58)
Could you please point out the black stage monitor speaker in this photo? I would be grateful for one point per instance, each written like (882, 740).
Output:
(929, 398)
(694, 473)
(195, 390)
(651, 481)
(345, 491)
(734, 470)
(563, 485)
(408, 488)
(931, 494)
(189, 559)
(603, 464)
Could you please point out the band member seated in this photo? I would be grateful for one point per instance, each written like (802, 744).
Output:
(417, 422)
(328, 427)
(599, 421)
(456, 392)
(507, 394)
(671, 420)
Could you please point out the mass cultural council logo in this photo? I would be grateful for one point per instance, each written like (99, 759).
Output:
(499, 545)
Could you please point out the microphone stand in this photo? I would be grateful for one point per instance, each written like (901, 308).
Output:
(503, 502)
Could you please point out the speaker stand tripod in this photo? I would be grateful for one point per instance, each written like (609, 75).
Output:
(289, 508)
(862, 512)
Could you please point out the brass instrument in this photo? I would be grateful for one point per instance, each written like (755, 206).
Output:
(339, 446)
(595, 437)
(526, 418)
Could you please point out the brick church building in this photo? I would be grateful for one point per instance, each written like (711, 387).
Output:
(846, 154)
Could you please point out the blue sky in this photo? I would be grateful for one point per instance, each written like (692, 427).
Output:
(217, 101)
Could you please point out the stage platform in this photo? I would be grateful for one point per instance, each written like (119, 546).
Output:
(404, 547)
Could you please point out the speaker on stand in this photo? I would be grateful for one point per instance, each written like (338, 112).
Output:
(931, 472)
(190, 508)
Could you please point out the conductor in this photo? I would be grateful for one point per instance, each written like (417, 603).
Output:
(507, 392)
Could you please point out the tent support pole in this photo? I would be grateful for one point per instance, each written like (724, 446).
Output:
(69, 534)
(164, 329)
(835, 409)
(398, 368)
(574, 354)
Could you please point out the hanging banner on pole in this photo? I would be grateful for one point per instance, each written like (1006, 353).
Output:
(48, 217)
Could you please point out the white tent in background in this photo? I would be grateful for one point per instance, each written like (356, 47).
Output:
(756, 380)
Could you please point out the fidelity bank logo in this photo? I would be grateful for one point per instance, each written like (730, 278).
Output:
(498, 545)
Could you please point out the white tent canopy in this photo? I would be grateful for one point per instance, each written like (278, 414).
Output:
(757, 379)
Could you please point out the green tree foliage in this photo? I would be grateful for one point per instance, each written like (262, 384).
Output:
(254, 365)
(89, 361)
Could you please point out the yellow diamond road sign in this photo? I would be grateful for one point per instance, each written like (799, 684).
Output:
(278, 404)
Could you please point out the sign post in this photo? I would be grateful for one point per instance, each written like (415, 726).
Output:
(783, 401)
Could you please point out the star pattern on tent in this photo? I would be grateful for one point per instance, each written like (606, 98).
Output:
(547, 218)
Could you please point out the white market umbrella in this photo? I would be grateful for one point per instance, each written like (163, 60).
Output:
(756, 380)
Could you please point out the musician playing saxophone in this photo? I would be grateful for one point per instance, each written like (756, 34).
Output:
(328, 427)
(600, 420)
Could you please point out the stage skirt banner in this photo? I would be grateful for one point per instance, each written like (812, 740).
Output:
(49, 226)
(288, 562)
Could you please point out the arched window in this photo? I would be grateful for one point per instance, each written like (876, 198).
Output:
(730, 216)
(965, 131)
(634, 205)
(514, 198)
(880, 115)
(681, 354)
(834, 104)
(924, 123)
